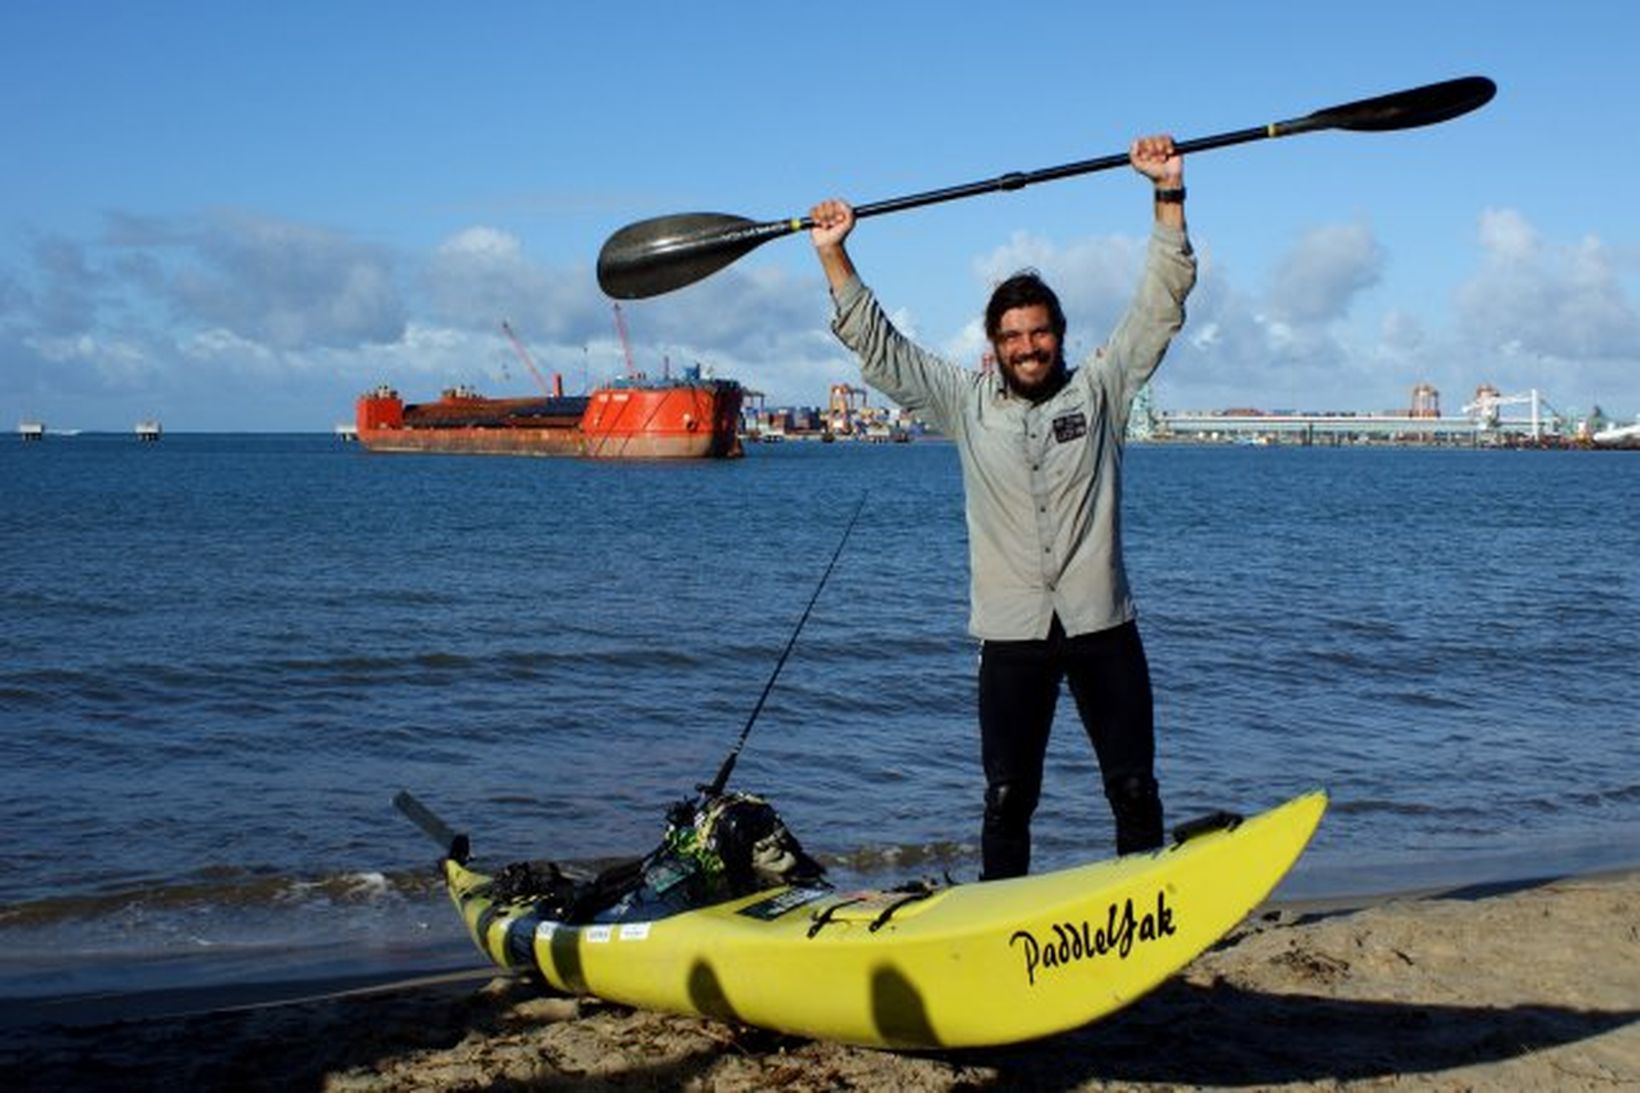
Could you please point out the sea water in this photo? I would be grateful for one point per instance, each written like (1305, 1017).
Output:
(223, 654)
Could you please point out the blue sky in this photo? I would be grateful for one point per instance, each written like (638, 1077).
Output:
(239, 216)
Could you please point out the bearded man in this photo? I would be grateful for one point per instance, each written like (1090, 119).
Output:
(1041, 450)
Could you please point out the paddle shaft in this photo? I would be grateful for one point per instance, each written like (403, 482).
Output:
(1407, 109)
(1018, 180)
(659, 255)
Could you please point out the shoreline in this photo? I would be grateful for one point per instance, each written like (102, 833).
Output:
(416, 939)
(1529, 984)
(212, 987)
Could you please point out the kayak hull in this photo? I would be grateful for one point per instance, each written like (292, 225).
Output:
(965, 966)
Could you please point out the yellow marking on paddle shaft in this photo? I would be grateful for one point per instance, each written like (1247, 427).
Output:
(797, 223)
(1271, 129)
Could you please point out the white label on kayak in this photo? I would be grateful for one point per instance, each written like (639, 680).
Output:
(635, 931)
(546, 930)
(597, 935)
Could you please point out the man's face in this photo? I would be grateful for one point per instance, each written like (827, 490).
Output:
(1027, 348)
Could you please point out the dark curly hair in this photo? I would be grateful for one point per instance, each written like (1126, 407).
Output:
(1024, 289)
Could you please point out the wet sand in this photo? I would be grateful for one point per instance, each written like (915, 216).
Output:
(1530, 986)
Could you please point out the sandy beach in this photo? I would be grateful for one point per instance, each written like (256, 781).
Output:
(1529, 986)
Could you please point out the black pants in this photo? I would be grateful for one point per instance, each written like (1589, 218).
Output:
(1018, 691)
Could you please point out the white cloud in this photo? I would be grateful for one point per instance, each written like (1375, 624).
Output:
(480, 276)
(291, 286)
(223, 348)
(116, 361)
(154, 311)
(487, 244)
(1402, 332)
(1094, 279)
(1559, 300)
(1318, 280)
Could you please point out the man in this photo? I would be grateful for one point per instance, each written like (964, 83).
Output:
(1041, 450)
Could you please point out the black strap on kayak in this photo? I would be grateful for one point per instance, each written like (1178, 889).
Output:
(1202, 825)
(914, 896)
(728, 766)
(821, 919)
(914, 892)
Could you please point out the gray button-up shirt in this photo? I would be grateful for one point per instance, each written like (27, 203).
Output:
(1043, 480)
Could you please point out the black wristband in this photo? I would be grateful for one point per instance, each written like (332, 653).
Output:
(1171, 197)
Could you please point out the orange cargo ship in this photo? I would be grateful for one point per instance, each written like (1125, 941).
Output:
(632, 418)
(688, 418)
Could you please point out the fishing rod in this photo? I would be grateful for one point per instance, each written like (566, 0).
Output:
(656, 256)
(728, 766)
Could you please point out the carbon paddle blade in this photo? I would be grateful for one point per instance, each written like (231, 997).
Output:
(656, 256)
(1410, 109)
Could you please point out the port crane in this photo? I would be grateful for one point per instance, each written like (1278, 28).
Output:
(554, 391)
(1484, 409)
(626, 346)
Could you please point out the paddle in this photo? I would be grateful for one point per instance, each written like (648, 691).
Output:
(456, 846)
(656, 256)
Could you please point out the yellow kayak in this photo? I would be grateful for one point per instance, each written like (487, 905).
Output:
(956, 966)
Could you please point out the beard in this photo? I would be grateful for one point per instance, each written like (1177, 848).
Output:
(1041, 387)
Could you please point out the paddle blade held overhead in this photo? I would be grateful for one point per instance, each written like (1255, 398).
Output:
(1411, 109)
(657, 256)
(653, 257)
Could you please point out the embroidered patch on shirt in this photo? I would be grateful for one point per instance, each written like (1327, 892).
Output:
(1069, 427)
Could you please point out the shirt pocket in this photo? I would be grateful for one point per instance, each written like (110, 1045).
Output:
(1070, 432)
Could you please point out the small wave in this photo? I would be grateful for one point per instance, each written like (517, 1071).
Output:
(13, 698)
(218, 888)
(1424, 700)
(35, 603)
(875, 860)
(344, 888)
(1367, 806)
